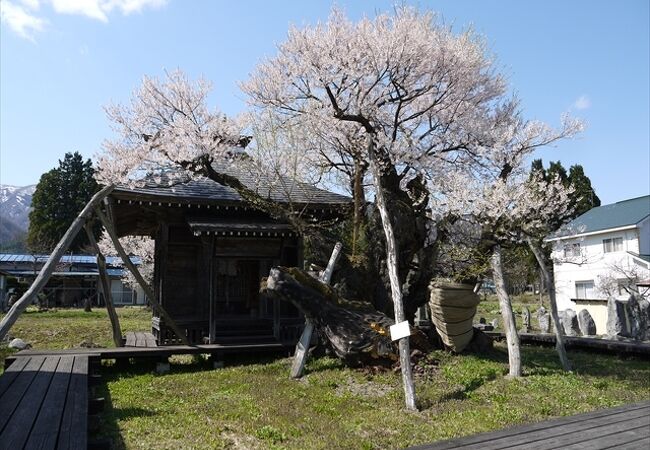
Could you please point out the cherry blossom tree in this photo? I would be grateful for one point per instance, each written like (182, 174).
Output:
(141, 246)
(166, 130)
(420, 95)
(511, 206)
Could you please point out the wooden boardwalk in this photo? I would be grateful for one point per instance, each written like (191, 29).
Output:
(152, 352)
(140, 339)
(44, 403)
(622, 347)
(626, 427)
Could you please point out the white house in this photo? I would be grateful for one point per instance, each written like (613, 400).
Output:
(599, 254)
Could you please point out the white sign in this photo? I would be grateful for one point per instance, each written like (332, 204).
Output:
(400, 330)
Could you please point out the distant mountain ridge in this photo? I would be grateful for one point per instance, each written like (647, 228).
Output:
(15, 204)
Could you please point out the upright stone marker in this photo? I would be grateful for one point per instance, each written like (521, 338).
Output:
(569, 322)
(525, 318)
(543, 320)
(616, 319)
(586, 323)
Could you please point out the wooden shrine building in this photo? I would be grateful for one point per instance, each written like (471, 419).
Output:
(213, 248)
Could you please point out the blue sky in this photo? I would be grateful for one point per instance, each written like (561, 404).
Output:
(61, 60)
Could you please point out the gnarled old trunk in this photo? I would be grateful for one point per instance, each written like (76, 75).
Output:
(408, 204)
(367, 278)
(357, 334)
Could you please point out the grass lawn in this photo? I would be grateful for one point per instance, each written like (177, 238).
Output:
(253, 404)
(68, 328)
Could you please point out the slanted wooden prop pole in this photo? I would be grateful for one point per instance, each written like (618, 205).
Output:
(302, 347)
(141, 281)
(46, 272)
(106, 288)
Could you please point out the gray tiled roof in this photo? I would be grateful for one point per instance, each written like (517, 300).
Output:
(606, 217)
(284, 190)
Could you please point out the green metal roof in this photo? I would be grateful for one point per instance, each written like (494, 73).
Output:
(606, 217)
(646, 258)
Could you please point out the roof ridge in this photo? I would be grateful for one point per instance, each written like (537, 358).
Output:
(628, 200)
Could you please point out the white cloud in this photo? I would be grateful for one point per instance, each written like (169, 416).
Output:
(20, 17)
(99, 9)
(20, 21)
(31, 4)
(88, 8)
(131, 6)
(582, 102)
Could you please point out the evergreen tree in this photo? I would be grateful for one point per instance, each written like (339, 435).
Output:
(60, 195)
(556, 169)
(584, 196)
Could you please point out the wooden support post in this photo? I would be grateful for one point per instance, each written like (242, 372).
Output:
(393, 275)
(550, 286)
(46, 272)
(141, 281)
(512, 337)
(106, 288)
(302, 347)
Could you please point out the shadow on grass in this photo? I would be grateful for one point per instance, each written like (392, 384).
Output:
(108, 420)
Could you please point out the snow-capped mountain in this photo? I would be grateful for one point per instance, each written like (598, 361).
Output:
(15, 202)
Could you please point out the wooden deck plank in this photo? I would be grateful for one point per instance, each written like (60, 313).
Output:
(45, 432)
(166, 350)
(561, 429)
(518, 434)
(140, 340)
(151, 340)
(641, 444)
(11, 373)
(591, 435)
(10, 400)
(617, 439)
(74, 423)
(130, 339)
(16, 433)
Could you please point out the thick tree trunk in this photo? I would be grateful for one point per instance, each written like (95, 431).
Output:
(512, 338)
(302, 347)
(106, 289)
(141, 281)
(359, 197)
(393, 273)
(47, 270)
(550, 283)
(408, 214)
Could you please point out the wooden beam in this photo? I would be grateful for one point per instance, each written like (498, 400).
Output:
(141, 281)
(47, 270)
(106, 288)
(302, 347)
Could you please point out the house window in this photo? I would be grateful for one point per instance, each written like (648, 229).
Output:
(585, 289)
(571, 250)
(613, 245)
